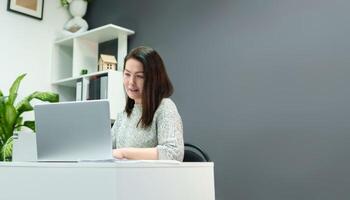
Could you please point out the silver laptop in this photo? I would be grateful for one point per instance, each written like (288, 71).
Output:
(73, 131)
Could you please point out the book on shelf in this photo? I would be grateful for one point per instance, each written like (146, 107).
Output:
(85, 89)
(94, 87)
(104, 87)
(79, 90)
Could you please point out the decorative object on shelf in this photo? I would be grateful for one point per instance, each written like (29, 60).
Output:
(10, 115)
(30, 8)
(83, 71)
(76, 24)
(107, 62)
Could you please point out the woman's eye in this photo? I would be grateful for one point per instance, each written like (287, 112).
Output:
(139, 76)
(126, 74)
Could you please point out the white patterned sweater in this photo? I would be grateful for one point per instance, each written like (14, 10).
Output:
(165, 132)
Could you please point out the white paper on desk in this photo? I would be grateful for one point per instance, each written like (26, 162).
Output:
(116, 160)
(102, 160)
(173, 162)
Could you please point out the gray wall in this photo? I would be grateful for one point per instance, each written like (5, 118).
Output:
(263, 86)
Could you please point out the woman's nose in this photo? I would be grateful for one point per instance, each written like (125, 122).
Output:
(132, 80)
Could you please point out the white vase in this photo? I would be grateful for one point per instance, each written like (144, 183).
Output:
(76, 24)
(77, 8)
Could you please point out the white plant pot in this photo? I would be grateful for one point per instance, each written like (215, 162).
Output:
(76, 24)
(78, 8)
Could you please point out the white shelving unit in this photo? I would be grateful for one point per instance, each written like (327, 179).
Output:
(72, 54)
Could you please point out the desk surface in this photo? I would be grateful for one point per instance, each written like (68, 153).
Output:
(118, 164)
(129, 180)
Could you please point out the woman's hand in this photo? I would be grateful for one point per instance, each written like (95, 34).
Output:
(136, 153)
(118, 153)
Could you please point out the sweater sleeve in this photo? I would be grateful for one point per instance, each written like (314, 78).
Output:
(170, 133)
(114, 130)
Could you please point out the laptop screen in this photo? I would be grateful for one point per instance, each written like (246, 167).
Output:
(73, 131)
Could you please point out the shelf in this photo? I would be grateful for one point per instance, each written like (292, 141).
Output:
(80, 52)
(71, 82)
(98, 35)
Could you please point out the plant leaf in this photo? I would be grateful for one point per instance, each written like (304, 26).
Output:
(1, 94)
(6, 150)
(24, 106)
(2, 137)
(18, 123)
(46, 96)
(14, 88)
(2, 123)
(9, 119)
(30, 124)
(2, 106)
(10, 114)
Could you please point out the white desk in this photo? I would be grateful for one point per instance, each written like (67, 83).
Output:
(107, 181)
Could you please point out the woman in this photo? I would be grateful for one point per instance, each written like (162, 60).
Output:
(150, 128)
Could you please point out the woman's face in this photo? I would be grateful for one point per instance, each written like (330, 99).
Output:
(133, 79)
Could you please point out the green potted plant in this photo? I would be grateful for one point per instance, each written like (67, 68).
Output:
(11, 115)
(66, 3)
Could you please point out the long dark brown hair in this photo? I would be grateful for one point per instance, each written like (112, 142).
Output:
(157, 84)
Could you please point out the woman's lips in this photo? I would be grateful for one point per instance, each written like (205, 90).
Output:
(133, 90)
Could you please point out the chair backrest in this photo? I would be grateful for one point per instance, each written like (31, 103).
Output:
(194, 153)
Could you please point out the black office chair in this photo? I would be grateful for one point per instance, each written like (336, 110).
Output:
(195, 154)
